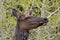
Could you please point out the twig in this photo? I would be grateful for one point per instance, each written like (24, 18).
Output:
(48, 12)
(53, 13)
(30, 11)
(32, 5)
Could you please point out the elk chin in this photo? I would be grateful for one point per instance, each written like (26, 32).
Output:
(44, 24)
(40, 24)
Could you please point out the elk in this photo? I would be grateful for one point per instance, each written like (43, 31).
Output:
(26, 22)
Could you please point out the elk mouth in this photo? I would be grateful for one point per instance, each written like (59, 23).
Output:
(42, 24)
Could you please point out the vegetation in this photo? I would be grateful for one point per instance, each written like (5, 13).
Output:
(40, 7)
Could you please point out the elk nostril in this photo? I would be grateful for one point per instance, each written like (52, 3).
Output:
(46, 19)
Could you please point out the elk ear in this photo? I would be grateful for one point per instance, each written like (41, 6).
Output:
(15, 13)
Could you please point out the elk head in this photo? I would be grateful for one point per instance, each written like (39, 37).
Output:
(27, 22)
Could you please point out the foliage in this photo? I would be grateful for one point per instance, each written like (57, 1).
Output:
(8, 23)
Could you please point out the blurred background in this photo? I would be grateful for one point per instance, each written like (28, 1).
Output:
(44, 8)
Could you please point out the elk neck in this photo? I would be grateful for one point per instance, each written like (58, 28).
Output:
(21, 34)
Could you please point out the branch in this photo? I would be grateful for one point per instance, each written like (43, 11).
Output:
(53, 13)
(32, 5)
(30, 11)
(48, 12)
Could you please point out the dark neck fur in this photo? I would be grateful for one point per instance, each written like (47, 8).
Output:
(21, 34)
